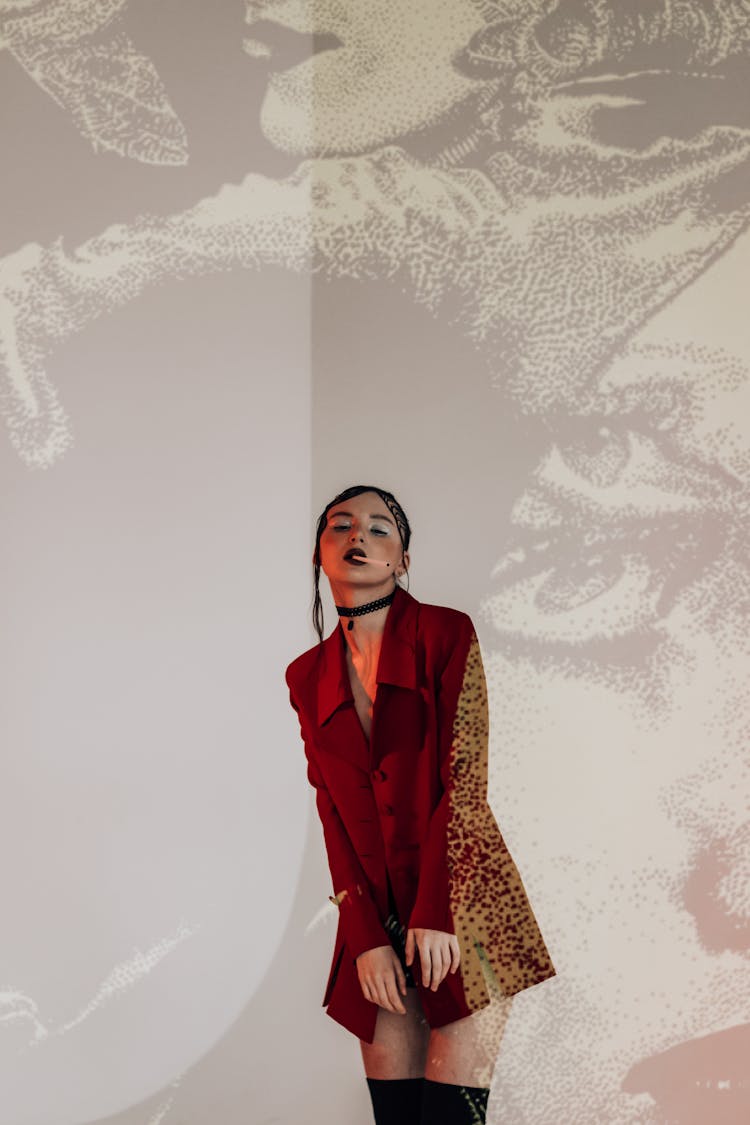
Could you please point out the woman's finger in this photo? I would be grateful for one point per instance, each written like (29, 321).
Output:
(391, 987)
(436, 956)
(425, 958)
(455, 954)
(385, 986)
(378, 993)
(409, 946)
(375, 996)
(400, 977)
(447, 955)
(445, 958)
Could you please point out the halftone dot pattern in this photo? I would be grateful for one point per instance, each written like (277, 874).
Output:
(495, 924)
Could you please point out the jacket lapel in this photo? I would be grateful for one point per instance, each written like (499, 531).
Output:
(397, 662)
(340, 731)
(398, 714)
(333, 682)
(339, 728)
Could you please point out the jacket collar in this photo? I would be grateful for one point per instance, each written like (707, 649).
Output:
(396, 663)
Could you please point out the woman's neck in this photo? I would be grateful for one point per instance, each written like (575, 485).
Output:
(363, 632)
(364, 641)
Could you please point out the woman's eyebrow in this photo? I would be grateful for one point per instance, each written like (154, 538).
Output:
(373, 516)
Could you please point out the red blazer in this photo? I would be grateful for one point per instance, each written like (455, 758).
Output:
(414, 802)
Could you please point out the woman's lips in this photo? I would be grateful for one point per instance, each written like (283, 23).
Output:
(283, 47)
(706, 1079)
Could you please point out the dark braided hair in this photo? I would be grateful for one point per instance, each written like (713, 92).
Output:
(402, 523)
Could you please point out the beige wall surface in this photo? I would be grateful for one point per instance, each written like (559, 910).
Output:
(492, 256)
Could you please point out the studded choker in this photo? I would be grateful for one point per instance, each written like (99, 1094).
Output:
(358, 610)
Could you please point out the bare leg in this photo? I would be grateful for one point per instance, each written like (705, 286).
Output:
(464, 1053)
(399, 1049)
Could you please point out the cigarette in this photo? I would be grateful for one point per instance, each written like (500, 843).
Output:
(377, 562)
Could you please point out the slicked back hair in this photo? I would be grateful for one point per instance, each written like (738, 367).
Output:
(402, 524)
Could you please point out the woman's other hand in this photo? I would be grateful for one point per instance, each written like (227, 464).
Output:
(438, 953)
(381, 978)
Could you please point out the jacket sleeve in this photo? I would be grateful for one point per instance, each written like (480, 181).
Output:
(463, 735)
(360, 920)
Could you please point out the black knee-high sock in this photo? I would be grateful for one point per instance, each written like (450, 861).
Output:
(396, 1101)
(446, 1104)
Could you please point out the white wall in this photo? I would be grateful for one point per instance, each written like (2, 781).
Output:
(225, 295)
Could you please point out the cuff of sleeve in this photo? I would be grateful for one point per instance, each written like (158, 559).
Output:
(428, 916)
(361, 924)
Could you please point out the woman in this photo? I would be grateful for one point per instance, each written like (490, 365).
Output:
(435, 931)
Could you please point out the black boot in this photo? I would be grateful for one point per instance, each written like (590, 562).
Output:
(446, 1104)
(396, 1101)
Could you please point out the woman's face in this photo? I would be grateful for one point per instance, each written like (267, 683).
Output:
(619, 677)
(392, 74)
(362, 524)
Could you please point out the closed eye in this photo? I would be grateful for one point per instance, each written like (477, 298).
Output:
(347, 527)
(609, 533)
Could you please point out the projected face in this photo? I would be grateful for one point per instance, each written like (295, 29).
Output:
(375, 72)
(620, 668)
(618, 634)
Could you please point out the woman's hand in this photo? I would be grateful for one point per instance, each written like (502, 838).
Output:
(438, 953)
(381, 978)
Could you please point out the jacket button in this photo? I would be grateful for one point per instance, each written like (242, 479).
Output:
(379, 775)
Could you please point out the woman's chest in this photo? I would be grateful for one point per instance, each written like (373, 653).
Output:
(363, 682)
(391, 719)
